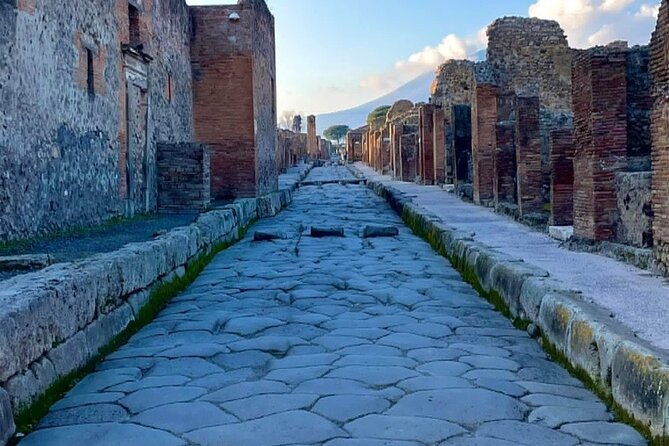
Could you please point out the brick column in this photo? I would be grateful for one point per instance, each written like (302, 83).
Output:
(600, 133)
(529, 178)
(562, 177)
(504, 162)
(439, 146)
(484, 121)
(426, 149)
(396, 131)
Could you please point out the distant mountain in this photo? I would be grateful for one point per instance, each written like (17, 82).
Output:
(417, 90)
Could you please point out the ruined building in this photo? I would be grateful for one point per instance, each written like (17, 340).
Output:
(545, 133)
(93, 91)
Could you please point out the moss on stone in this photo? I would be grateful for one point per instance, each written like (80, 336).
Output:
(26, 418)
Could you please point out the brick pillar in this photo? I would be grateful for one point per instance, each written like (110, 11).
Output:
(562, 177)
(599, 83)
(426, 149)
(396, 131)
(385, 150)
(659, 60)
(484, 121)
(408, 157)
(312, 139)
(439, 146)
(529, 178)
(504, 164)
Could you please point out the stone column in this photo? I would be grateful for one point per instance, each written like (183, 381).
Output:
(600, 136)
(529, 178)
(484, 121)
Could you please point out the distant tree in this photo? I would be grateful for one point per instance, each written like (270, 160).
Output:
(336, 133)
(377, 113)
(297, 124)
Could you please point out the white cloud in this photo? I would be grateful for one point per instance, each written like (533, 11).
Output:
(429, 58)
(598, 22)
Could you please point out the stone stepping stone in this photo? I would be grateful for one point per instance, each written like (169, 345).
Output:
(373, 231)
(325, 231)
(266, 236)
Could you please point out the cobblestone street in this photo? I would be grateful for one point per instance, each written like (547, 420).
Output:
(330, 341)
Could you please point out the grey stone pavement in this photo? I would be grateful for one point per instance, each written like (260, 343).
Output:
(635, 297)
(330, 341)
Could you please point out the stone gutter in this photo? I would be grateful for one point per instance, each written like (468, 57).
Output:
(52, 322)
(627, 369)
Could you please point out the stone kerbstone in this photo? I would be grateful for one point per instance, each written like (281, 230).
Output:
(532, 294)
(100, 332)
(7, 426)
(555, 316)
(507, 279)
(640, 383)
(25, 387)
(70, 355)
(28, 262)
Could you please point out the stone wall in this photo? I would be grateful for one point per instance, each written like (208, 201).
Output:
(54, 321)
(528, 156)
(291, 147)
(63, 121)
(183, 177)
(634, 226)
(639, 102)
(234, 94)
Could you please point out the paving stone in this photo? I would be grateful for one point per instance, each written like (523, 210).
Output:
(263, 405)
(271, 344)
(149, 382)
(110, 434)
(246, 326)
(464, 406)
(561, 390)
(142, 400)
(315, 359)
(556, 416)
(490, 362)
(87, 399)
(432, 354)
(344, 408)
(597, 431)
(250, 358)
(189, 367)
(444, 368)
(332, 386)
(505, 387)
(524, 433)
(297, 375)
(246, 389)
(292, 427)
(428, 329)
(376, 361)
(95, 413)
(334, 343)
(194, 351)
(434, 383)
(103, 380)
(540, 399)
(369, 442)
(223, 379)
(408, 341)
(371, 350)
(478, 441)
(184, 417)
(424, 430)
(373, 376)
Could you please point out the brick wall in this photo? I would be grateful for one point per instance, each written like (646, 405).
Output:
(426, 144)
(233, 96)
(659, 60)
(504, 162)
(600, 135)
(183, 177)
(528, 156)
(484, 120)
(562, 179)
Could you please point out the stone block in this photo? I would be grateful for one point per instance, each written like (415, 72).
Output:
(26, 386)
(106, 327)
(371, 231)
(640, 383)
(562, 233)
(7, 426)
(70, 355)
(319, 232)
(507, 279)
(29, 262)
(555, 316)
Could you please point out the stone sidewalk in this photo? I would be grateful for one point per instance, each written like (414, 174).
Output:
(331, 341)
(634, 297)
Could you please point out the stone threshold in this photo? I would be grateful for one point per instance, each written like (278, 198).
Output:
(629, 370)
(54, 321)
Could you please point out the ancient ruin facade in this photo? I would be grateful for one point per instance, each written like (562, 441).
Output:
(291, 148)
(85, 106)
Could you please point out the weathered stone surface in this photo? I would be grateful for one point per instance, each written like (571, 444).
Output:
(28, 262)
(370, 231)
(324, 231)
(293, 427)
(6, 418)
(597, 431)
(184, 417)
(403, 428)
(102, 434)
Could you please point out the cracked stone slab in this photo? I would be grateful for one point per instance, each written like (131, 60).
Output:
(597, 431)
(525, 434)
(343, 408)
(148, 398)
(294, 427)
(416, 428)
(111, 434)
(263, 405)
(184, 417)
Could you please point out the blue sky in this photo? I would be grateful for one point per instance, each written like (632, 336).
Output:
(334, 54)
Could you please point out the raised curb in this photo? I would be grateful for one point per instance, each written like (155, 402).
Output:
(52, 322)
(633, 373)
